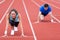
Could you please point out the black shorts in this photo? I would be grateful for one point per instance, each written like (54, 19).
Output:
(44, 14)
(12, 23)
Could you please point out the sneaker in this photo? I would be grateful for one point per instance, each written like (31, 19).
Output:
(15, 29)
(12, 32)
(5, 32)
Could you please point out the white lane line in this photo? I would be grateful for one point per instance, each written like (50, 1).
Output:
(55, 1)
(35, 38)
(38, 6)
(10, 36)
(22, 28)
(6, 11)
(50, 4)
(53, 6)
(45, 2)
(15, 36)
(35, 3)
(2, 2)
(5, 33)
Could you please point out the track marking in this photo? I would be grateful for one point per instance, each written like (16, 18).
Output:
(2, 1)
(10, 36)
(14, 36)
(35, 38)
(5, 15)
(6, 12)
(55, 1)
(38, 6)
(7, 26)
(22, 28)
(35, 3)
(50, 4)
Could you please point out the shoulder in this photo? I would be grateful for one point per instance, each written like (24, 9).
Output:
(42, 6)
(49, 7)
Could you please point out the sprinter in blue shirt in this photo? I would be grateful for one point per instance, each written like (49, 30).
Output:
(44, 11)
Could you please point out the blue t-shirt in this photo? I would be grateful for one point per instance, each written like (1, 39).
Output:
(45, 12)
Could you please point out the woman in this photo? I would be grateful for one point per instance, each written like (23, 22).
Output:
(14, 18)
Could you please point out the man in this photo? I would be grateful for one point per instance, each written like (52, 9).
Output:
(44, 11)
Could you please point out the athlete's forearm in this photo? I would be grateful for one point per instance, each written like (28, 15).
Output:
(7, 20)
(20, 20)
(52, 17)
(39, 15)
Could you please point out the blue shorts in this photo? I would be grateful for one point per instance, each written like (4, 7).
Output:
(44, 14)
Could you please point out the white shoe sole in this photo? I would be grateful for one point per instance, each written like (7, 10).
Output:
(15, 29)
(12, 32)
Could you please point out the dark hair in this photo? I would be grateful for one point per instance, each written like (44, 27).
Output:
(14, 11)
(46, 5)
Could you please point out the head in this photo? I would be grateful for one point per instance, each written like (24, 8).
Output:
(13, 13)
(46, 6)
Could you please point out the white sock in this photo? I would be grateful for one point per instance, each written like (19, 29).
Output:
(5, 32)
(15, 28)
(41, 17)
(12, 32)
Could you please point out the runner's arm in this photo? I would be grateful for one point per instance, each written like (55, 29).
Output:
(52, 17)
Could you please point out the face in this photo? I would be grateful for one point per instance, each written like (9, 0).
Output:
(13, 14)
(46, 8)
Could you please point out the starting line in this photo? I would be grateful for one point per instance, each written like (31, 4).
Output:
(15, 36)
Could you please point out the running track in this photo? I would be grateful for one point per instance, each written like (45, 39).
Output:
(29, 10)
